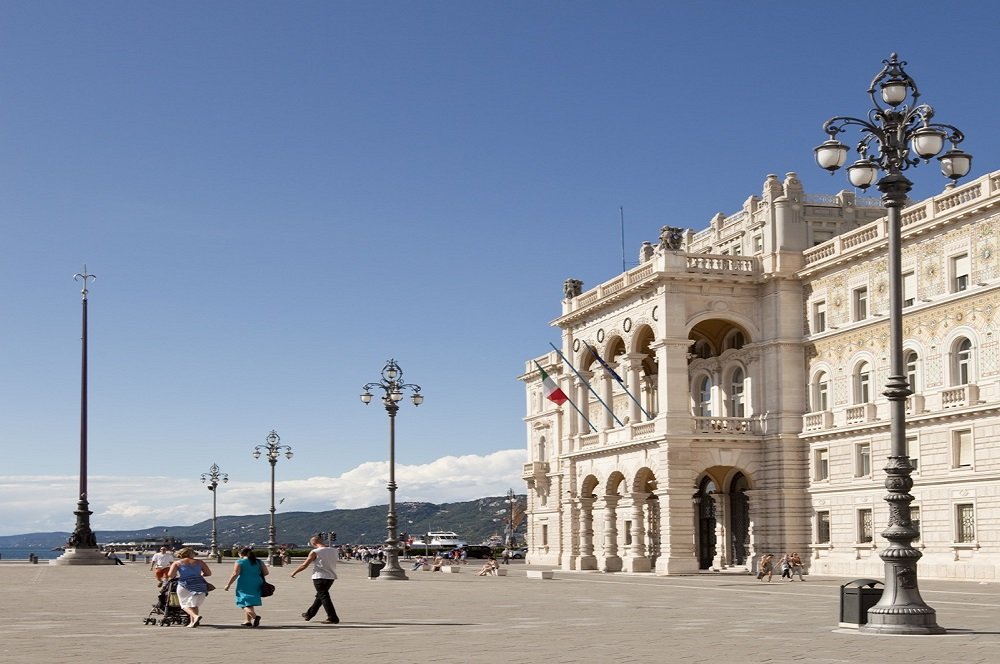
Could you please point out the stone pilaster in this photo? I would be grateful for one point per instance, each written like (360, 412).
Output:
(677, 529)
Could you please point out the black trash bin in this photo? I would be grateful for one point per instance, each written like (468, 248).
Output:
(374, 569)
(856, 597)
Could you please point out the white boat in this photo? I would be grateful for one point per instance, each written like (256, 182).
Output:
(439, 539)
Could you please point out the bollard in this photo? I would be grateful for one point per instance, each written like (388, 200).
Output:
(33, 559)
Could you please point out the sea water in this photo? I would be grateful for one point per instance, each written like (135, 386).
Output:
(43, 553)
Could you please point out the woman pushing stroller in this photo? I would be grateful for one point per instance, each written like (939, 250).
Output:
(192, 588)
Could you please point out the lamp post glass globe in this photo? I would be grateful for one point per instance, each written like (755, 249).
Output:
(894, 91)
(890, 137)
(863, 173)
(927, 142)
(955, 164)
(831, 154)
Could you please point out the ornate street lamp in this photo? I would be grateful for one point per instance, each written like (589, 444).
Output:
(272, 450)
(392, 387)
(511, 503)
(897, 134)
(212, 477)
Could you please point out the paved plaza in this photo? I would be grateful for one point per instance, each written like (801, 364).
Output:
(95, 614)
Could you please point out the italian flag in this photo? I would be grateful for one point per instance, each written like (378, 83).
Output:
(552, 391)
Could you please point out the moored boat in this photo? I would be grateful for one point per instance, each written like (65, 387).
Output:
(438, 539)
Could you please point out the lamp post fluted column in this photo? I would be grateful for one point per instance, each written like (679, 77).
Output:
(212, 477)
(393, 387)
(272, 449)
(897, 134)
(511, 500)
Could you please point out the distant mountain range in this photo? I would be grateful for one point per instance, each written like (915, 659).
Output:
(474, 521)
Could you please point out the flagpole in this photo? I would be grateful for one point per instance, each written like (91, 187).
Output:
(570, 401)
(620, 381)
(589, 386)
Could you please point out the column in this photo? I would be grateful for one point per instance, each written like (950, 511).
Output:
(751, 543)
(652, 529)
(649, 398)
(632, 366)
(612, 561)
(720, 561)
(607, 419)
(587, 558)
(636, 559)
(582, 399)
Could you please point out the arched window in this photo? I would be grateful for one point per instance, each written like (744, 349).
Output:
(736, 407)
(703, 349)
(862, 383)
(910, 361)
(962, 371)
(821, 393)
(704, 399)
(735, 340)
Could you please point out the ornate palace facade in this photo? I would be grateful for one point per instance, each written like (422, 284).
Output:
(754, 354)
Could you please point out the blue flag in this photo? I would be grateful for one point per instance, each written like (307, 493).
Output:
(604, 364)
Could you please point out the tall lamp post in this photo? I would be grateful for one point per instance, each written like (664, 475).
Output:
(392, 387)
(511, 501)
(272, 450)
(212, 477)
(81, 547)
(896, 135)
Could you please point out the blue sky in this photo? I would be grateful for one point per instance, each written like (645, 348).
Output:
(278, 197)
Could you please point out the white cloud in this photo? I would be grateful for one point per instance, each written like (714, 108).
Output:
(43, 503)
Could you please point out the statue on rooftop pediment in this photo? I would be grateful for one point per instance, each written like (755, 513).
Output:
(671, 238)
(572, 288)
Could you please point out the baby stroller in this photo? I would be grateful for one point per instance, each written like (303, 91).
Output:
(167, 610)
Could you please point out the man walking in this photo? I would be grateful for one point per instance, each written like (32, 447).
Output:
(160, 564)
(324, 562)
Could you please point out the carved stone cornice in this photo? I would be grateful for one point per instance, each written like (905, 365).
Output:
(600, 451)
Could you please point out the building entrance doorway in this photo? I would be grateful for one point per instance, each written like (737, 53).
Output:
(739, 529)
(705, 501)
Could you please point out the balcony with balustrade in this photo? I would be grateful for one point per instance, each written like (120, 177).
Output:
(535, 470)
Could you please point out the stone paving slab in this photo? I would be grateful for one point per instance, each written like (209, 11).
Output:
(53, 614)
